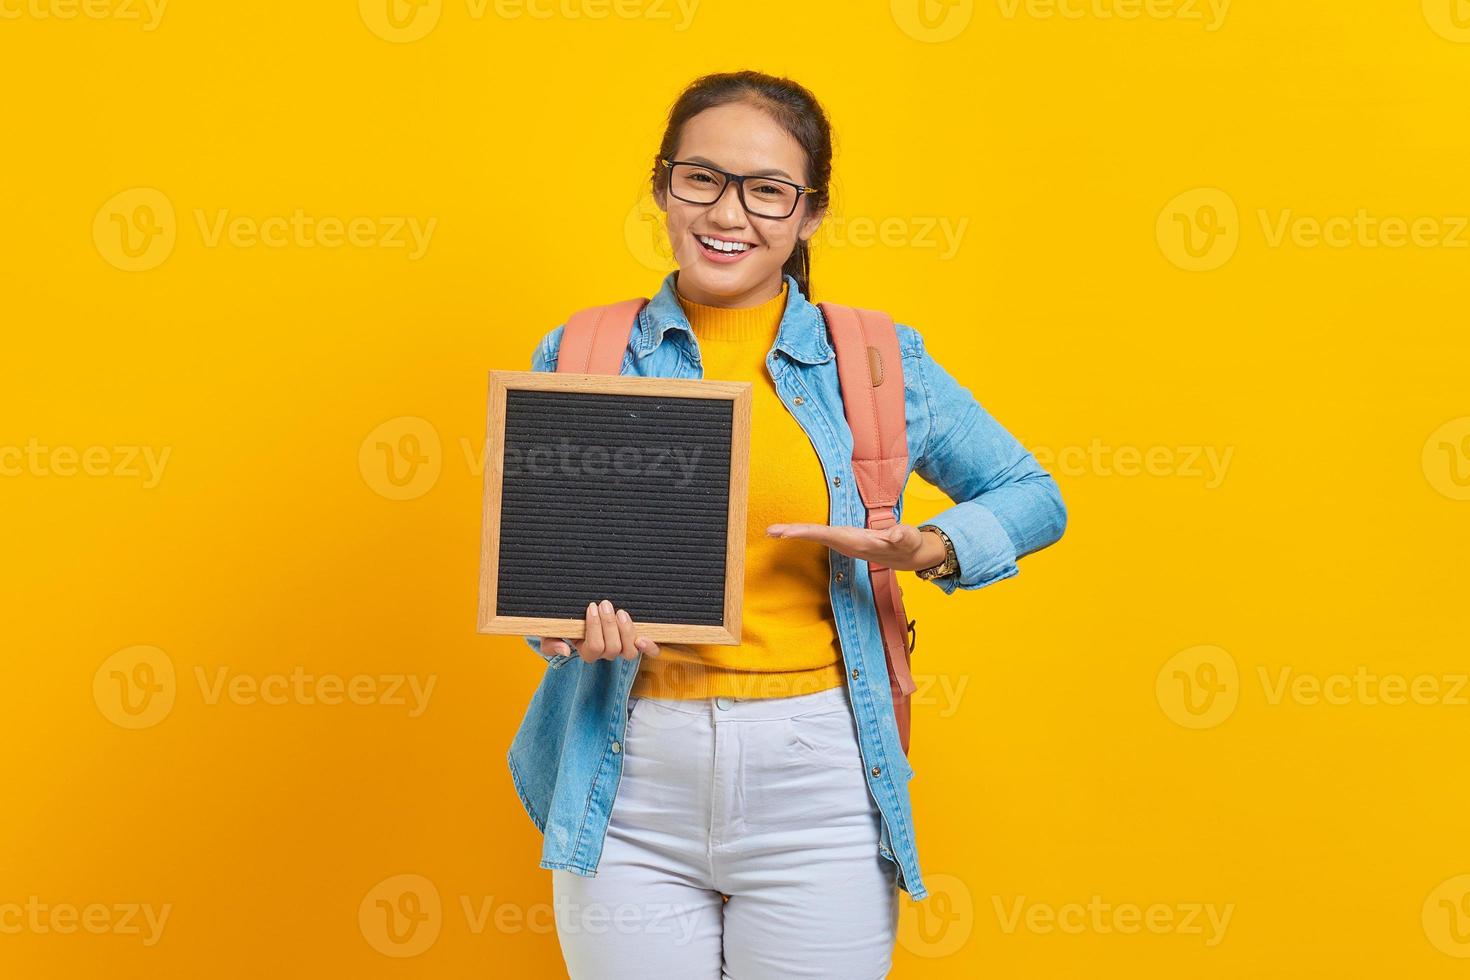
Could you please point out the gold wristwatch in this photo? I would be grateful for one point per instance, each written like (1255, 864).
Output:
(949, 566)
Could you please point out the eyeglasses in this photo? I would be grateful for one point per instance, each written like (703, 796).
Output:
(768, 197)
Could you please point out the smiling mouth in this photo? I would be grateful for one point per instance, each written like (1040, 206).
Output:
(723, 246)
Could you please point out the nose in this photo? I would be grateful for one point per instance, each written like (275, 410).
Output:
(727, 210)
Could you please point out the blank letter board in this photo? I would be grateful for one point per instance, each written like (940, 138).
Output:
(625, 488)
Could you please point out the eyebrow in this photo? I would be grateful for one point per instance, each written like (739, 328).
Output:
(768, 172)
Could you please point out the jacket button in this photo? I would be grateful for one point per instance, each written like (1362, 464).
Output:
(618, 747)
(841, 576)
(837, 481)
(797, 400)
(854, 673)
(876, 771)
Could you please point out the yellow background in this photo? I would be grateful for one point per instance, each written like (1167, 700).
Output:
(1060, 755)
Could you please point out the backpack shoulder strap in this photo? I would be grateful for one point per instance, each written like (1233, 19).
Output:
(870, 372)
(593, 340)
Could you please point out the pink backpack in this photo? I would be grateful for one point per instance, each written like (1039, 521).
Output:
(871, 375)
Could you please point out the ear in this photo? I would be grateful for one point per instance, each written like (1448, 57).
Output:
(810, 224)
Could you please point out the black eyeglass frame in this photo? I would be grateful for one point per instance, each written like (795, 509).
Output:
(739, 180)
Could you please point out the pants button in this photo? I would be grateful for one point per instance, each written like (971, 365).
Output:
(723, 703)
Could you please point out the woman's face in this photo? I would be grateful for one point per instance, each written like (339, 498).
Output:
(742, 139)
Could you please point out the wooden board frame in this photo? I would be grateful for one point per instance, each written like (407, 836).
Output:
(738, 392)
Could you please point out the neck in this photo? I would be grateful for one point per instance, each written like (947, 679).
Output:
(757, 324)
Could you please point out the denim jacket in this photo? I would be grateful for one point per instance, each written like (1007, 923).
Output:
(566, 757)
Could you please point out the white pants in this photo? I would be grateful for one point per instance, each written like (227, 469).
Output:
(764, 800)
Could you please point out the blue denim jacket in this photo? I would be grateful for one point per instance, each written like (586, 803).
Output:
(566, 757)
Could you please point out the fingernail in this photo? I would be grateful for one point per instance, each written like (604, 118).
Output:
(592, 609)
(641, 643)
(607, 607)
(623, 615)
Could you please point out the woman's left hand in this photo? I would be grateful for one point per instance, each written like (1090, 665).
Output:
(902, 546)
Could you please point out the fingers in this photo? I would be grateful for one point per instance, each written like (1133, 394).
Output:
(592, 639)
(611, 633)
(627, 638)
(612, 640)
(812, 532)
(554, 646)
(850, 541)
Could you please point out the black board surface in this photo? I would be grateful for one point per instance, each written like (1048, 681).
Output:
(623, 497)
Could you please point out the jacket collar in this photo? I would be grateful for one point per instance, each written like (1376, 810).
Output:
(802, 333)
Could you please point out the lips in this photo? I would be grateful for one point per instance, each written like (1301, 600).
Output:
(722, 256)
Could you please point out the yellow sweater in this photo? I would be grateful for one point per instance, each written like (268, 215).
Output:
(789, 643)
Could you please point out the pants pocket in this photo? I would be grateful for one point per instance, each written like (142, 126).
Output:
(827, 734)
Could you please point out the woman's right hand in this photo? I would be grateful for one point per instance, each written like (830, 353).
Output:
(610, 633)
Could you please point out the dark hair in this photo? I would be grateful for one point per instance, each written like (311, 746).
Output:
(791, 105)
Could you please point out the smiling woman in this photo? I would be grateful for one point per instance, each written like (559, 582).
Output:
(775, 131)
(757, 793)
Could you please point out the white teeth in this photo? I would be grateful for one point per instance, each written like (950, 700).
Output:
(722, 246)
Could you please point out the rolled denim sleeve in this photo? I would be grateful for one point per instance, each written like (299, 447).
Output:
(554, 659)
(1006, 505)
(544, 359)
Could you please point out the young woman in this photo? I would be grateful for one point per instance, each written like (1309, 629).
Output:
(743, 811)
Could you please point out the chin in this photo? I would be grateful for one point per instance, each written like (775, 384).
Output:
(719, 281)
